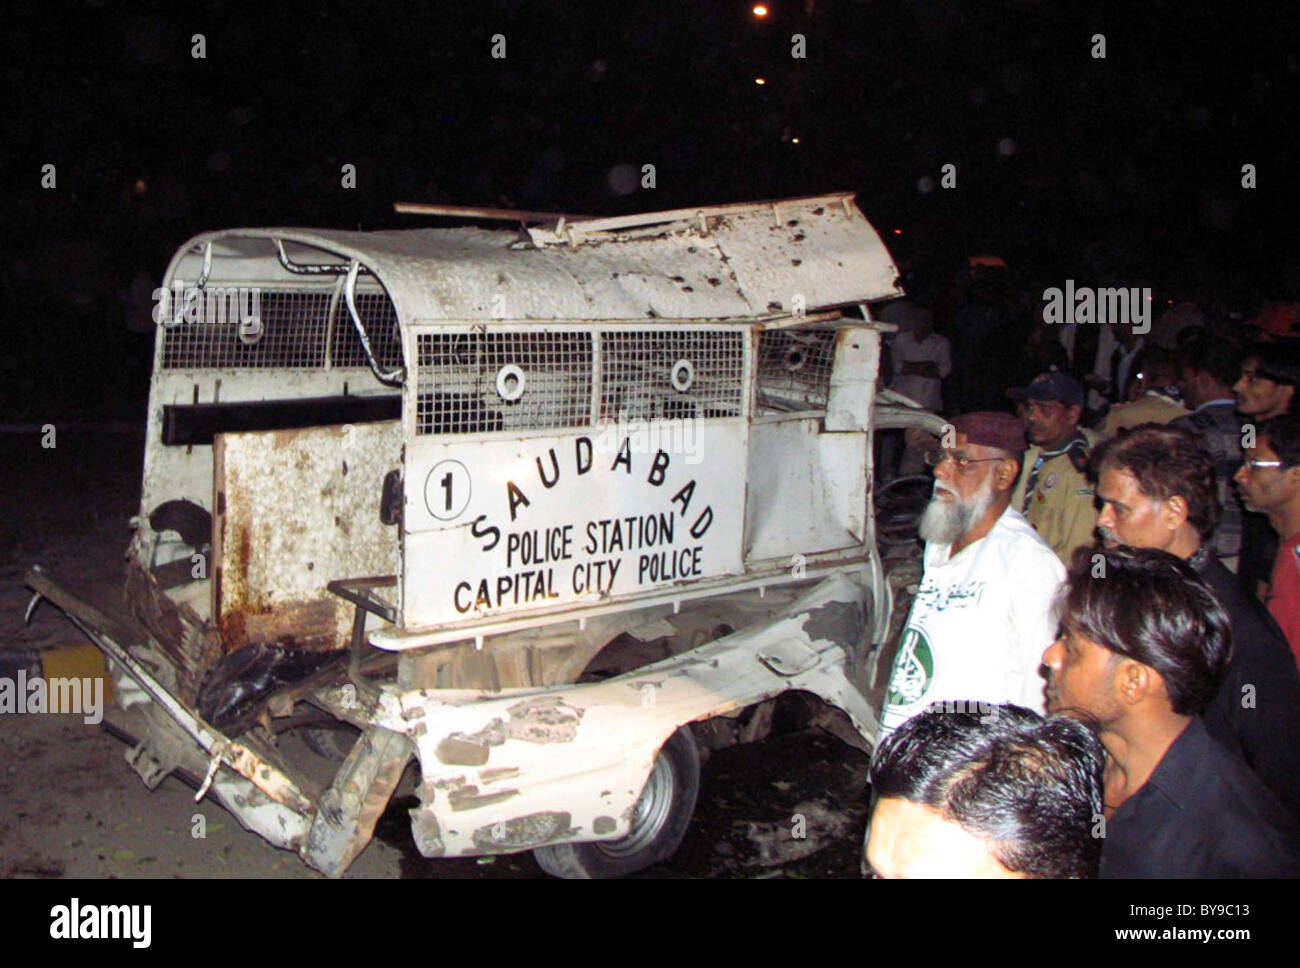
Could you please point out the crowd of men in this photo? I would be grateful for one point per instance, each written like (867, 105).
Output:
(1098, 674)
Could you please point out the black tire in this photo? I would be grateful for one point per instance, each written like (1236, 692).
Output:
(898, 506)
(663, 813)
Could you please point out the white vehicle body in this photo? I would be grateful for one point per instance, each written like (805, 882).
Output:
(470, 460)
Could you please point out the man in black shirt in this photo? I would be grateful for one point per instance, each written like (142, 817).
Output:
(1265, 389)
(1143, 647)
(1209, 368)
(1156, 488)
(1001, 792)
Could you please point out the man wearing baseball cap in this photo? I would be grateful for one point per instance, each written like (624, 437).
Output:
(1053, 493)
(984, 610)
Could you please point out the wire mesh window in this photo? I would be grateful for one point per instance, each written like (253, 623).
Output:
(251, 328)
(659, 375)
(379, 317)
(481, 382)
(794, 368)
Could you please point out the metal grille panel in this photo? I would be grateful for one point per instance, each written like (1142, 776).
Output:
(794, 367)
(482, 382)
(292, 330)
(294, 325)
(379, 317)
(666, 375)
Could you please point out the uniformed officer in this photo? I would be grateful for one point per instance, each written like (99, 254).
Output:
(1053, 491)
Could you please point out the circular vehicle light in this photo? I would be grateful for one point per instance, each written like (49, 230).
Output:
(683, 375)
(795, 358)
(510, 383)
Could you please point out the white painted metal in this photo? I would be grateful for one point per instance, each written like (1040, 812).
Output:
(512, 527)
(744, 267)
(517, 347)
(584, 752)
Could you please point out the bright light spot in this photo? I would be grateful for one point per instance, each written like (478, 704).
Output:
(794, 141)
(898, 231)
(760, 10)
(760, 80)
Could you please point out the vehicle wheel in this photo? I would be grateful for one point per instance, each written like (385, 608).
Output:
(659, 821)
(899, 505)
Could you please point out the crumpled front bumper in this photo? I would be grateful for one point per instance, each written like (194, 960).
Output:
(518, 769)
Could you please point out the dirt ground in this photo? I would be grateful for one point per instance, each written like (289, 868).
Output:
(70, 805)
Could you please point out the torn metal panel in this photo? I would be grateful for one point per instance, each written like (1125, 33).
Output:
(297, 509)
(266, 776)
(718, 262)
(258, 813)
(537, 655)
(181, 634)
(352, 805)
(888, 414)
(584, 752)
(278, 823)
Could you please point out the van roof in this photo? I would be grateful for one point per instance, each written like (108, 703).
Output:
(751, 260)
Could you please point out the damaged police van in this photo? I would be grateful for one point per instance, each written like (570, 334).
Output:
(552, 511)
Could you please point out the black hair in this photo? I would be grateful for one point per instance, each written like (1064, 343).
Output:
(1031, 787)
(1159, 365)
(1283, 433)
(1218, 358)
(1167, 461)
(1150, 606)
(1279, 362)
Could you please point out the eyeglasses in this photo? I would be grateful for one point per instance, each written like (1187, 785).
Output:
(935, 458)
(1255, 465)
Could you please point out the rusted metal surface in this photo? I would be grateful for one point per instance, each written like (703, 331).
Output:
(351, 806)
(172, 473)
(297, 509)
(178, 630)
(268, 777)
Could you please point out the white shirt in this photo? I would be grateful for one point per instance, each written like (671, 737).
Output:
(979, 625)
(933, 349)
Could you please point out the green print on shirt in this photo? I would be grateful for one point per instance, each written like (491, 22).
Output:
(913, 670)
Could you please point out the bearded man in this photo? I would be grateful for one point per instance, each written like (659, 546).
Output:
(984, 611)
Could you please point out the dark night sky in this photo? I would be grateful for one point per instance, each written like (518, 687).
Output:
(1067, 166)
